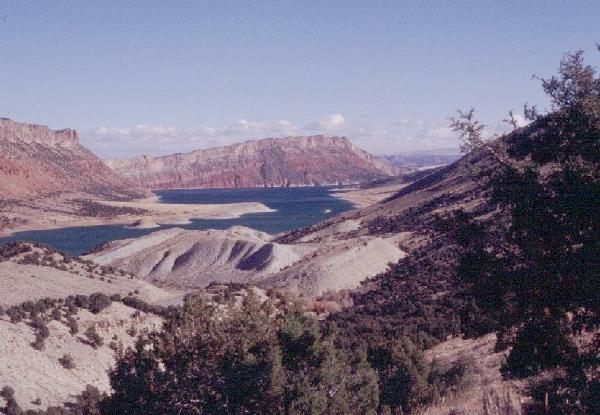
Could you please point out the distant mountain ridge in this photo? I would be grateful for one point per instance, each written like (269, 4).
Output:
(424, 159)
(289, 161)
(36, 160)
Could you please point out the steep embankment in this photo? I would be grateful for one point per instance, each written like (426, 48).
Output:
(290, 161)
(48, 179)
(36, 161)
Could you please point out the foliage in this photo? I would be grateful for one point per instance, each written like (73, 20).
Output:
(470, 129)
(67, 361)
(540, 271)
(408, 309)
(95, 340)
(95, 209)
(251, 358)
(41, 332)
(98, 302)
(73, 325)
(402, 374)
(11, 407)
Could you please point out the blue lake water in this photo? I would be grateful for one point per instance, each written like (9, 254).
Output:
(295, 207)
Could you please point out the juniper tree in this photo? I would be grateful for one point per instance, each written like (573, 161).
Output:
(540, 273)
(469, 128)
(249, 359)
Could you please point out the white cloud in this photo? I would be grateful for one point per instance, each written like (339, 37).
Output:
(440, 132)
(259, 128)
(401, 136)
(328, 123)
(157, 140)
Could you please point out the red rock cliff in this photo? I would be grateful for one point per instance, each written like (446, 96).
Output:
(290, 161)
(36, 160)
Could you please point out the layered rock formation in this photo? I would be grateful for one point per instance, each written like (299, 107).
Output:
(36, 160)
(290, 161)
(194, 259)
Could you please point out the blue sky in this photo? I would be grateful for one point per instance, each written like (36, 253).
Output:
(152, 77)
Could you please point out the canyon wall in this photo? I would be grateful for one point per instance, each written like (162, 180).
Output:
(289, 161)
(36, 160)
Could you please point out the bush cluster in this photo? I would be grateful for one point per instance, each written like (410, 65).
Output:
(67, 361)
(95, 209)
(252, 359)
(95, 340)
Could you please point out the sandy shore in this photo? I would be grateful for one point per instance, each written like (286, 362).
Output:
(158, 214)
(362, 198)
(161, 212)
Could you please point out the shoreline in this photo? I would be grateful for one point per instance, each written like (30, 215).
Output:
(347, 195)
(158, 214)
(362, 198)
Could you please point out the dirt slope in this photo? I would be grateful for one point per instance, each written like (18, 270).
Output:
(30, 273)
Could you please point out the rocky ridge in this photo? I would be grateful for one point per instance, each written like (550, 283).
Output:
(36, 160)
(289, 161)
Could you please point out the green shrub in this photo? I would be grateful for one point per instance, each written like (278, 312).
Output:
(251, 360)
(95, 340)
(41, 333)
(98, 302)
(73, 325)
(11, 407)
(56, 314)
(67, 361)
(16, 314)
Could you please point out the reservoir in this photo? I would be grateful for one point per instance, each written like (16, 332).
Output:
(295, 207)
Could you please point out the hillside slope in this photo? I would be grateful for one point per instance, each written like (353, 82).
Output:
(194, 259)
(290, 161)
(413, 207)
(44, 290)
(48, 179)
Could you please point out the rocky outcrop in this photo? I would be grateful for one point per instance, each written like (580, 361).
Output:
(36, 160)
(290, 161)
(16, 132)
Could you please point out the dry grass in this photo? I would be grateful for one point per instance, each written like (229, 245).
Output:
(482, 391)
(499, 400)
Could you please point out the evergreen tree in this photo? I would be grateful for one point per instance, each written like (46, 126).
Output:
(247, 359)
(539, 271)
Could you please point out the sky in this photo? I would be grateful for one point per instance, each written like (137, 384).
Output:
(158, 77)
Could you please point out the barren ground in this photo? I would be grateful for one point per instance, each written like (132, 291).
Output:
(56, 213)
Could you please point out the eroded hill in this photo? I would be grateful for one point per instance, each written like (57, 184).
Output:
(194, 259)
